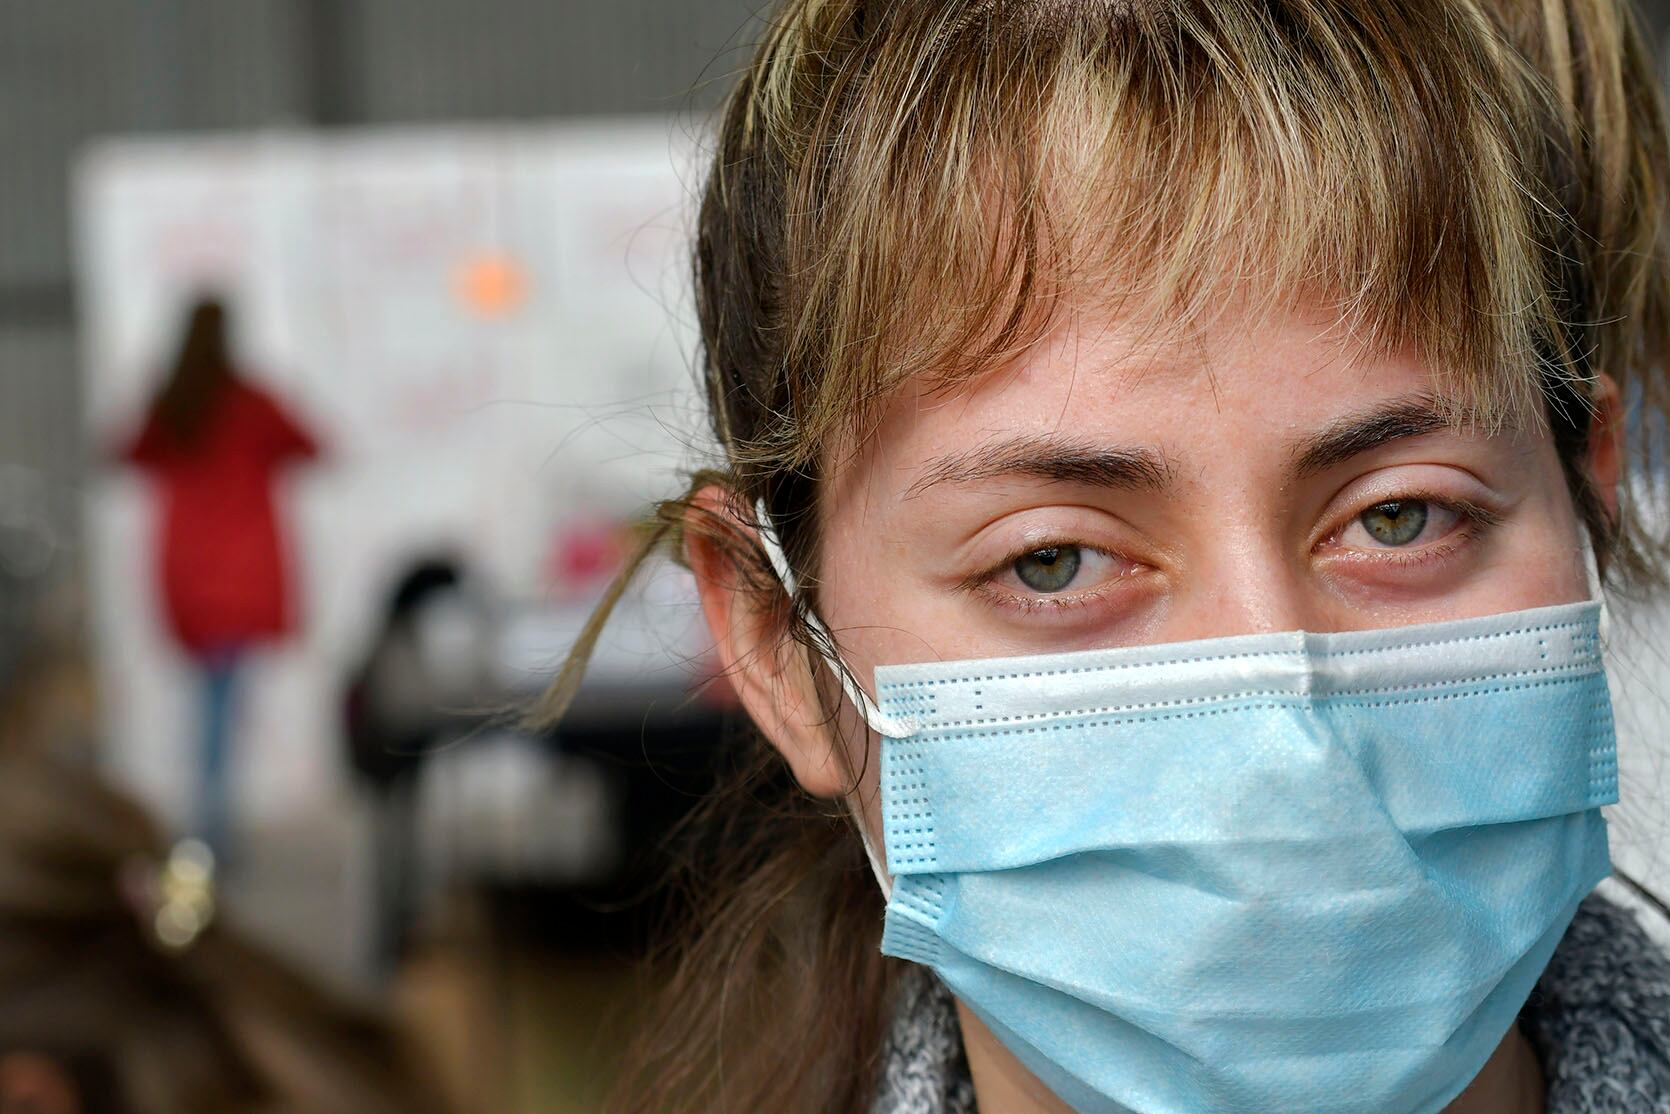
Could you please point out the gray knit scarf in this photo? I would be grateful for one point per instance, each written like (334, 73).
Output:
(1599, 1020)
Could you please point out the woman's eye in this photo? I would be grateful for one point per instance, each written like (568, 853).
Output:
(1395, 523)
(1050, 569)
(1401, 522)
(1059, 575)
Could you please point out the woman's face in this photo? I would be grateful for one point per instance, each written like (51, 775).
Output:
(1106, 492)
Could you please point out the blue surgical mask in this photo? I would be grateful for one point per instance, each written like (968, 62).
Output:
(1295, 871)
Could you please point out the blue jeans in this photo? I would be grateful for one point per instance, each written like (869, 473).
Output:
(213, 824)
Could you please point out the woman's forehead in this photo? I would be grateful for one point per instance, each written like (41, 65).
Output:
(1238, 385)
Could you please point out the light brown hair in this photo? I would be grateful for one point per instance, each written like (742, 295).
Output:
(918, 189)
(221, 1027)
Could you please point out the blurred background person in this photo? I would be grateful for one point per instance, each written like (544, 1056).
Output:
(423, 681)
(215, 444)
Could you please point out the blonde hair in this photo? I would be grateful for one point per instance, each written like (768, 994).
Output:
(917, 190)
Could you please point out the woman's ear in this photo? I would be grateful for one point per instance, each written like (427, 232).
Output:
(34, 1083)
(1603, 462)
(769, 670)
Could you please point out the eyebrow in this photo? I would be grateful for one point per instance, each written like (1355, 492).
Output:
(1052, 460)
(1145, 469)
(1350, 436)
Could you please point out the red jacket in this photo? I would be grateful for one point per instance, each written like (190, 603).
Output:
(224, 564)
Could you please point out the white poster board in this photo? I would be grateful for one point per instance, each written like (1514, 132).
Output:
(489, 330)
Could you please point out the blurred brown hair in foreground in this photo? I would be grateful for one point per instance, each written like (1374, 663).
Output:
(106, 1010)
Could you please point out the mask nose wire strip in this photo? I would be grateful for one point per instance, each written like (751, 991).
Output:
(879, 721)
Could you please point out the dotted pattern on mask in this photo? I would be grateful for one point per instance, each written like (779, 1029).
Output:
(908, 813)
(912, 704)
(1603, 755)
(1585, 668)
(1294, 702)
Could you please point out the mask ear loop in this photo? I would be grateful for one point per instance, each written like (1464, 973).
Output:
(879, 721)
(891, 727)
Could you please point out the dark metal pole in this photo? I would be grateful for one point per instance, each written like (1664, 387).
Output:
(328, 33)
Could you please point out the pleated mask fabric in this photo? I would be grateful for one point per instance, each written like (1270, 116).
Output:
(1294, 871)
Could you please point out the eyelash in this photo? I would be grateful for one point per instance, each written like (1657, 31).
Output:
(985, 582)
(1475, 521)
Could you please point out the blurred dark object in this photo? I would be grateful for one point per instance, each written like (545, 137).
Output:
(655, 724)
(395, 709)
(420, 685)
(46, 696)
(564, 831)
(28, 548)
(16, 620)
(661, 764)
(123, 987)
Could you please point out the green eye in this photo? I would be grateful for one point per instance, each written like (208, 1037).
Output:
(1049, 570)
(1396, 523)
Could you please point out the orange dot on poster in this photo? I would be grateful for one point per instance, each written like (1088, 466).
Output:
(492, 285)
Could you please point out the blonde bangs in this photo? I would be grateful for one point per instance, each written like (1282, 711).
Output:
(971, 173)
